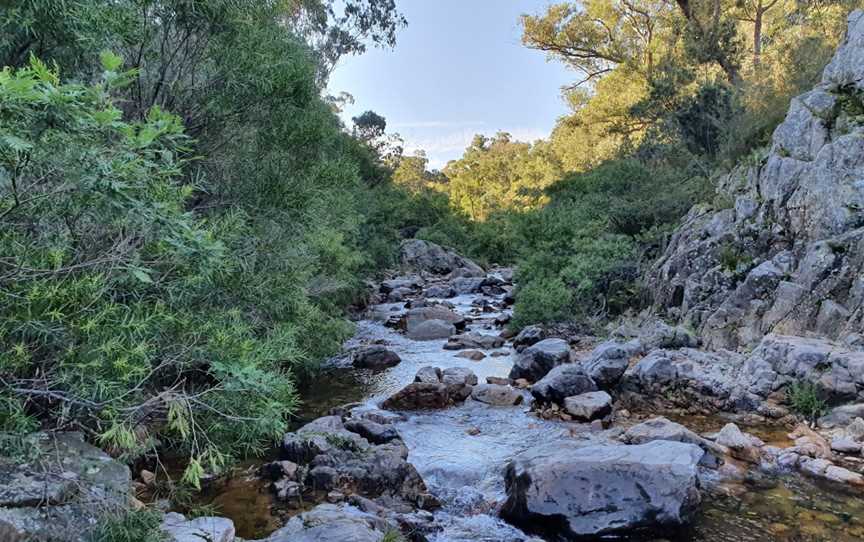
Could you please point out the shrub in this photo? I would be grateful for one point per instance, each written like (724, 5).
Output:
(132, 526)
(805, 400)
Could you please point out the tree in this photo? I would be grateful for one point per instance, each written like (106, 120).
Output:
(596, 36)
(412, 172)
(711, 35)
(369, 126)
(499, 173)
(342, 28)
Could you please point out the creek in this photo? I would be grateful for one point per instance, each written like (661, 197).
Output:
(461, 452)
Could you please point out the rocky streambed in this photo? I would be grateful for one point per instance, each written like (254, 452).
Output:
(438, 425)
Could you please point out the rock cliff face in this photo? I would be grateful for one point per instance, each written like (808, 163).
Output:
(787, 255)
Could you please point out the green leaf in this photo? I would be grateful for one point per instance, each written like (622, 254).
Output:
(16, 143)
(110, 61)
(142, 275)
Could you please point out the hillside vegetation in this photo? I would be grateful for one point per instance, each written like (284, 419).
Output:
(668, 97)
(183, 217)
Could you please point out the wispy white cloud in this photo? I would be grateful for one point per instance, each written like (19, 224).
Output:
(437, 124)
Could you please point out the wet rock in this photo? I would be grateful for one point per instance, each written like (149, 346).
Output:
(537, 360)
(741, 446)
(425, 256)
(62, 490)
(430, 330)
(276, 470)
(497, 395)
(376, 357)
(589, 406)
(459, 381)
(474, 340)
(440, 292)
(473, 355)
(566, 492)
(346, 461)
(419, 396)
(372, 431)
(402, 283)
(561, 382)
(810, 443)
(399, 294)
(383, 417)
(498, 380)
(663, 429)
(428, 374)
(528, 336)
(178, 529)
(419, 315)
(503, 319)
(287, 490)
(609, 360)
(467, 285)
(822, 468)
(333, 523)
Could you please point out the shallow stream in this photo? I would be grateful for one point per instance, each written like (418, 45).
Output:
(461, 452)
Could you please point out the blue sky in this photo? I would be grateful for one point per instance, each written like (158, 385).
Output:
(458, 69)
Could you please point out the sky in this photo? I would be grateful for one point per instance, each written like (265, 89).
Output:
(458, 69)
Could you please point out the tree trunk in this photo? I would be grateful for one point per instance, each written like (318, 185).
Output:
(757, 36)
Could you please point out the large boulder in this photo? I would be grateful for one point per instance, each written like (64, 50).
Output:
(357, 456)
(333, 523)
(61, 490)
(662, 429)
(496, 395)
(608, 361)
(459, 381)
(474, 340)
(785, 257)
(565, 492)
(376, 357)
(419, 255)
(466, 285)
(688, 376)
(430, 330)
(561, 382)
(589, 406)
(779, 360)
(419, 396)
(528, 336)
(534, 362)
(432, 322)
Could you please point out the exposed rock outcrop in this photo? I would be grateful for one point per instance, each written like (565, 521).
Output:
(425, 256)
(787, 255)
(62, 491)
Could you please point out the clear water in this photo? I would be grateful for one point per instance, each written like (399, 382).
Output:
(461, 453)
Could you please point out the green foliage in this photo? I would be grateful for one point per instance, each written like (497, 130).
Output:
(805, 399)
(160, 288)
(131, 526)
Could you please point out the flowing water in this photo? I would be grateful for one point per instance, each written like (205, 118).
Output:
(461, 452)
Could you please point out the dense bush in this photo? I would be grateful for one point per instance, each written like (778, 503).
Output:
(162, 290)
